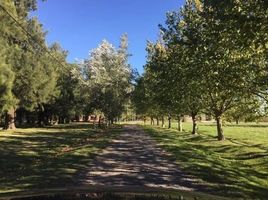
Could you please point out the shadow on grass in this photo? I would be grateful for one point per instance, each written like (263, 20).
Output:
(101, 196)
(49, 157)
(245, 125)
(233, 170)
(74, 125)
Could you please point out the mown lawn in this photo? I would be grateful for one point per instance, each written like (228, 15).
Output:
(52, 157)
(237, 167)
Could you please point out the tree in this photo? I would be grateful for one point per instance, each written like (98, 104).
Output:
(61, 100)
(159, 81)
(7, 100)
(236, 65)
(251, 108)
(10, 35)
(109, 78)
(36, 73)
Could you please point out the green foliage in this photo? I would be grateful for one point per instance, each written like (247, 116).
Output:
(153, 90)
(7, 49)
(211, 61)
(139, 97)
(6, 81)
(108, 77)
(33, 72)
(67, 103)
(250, 109)
(41, 86)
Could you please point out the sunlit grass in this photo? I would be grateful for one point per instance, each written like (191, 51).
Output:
(242, 131)
(235, 167)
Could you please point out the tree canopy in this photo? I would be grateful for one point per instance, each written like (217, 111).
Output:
(215, 57)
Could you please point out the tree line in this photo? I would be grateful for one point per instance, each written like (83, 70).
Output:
(211, 57)
(37, 84)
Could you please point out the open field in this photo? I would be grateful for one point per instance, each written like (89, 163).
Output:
(237, 167)
(43, 158)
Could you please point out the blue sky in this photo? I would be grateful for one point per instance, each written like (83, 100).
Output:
(80, 25)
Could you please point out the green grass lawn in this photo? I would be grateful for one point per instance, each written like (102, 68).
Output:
(237, 167)
(53, 157)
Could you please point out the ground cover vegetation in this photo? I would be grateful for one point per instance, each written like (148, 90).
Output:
(235, 168)
(55, 157)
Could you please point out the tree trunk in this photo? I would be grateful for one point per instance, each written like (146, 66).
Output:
(157, 121)
(61, 120)
(99, 121)
(144, 120)
(86, 118)
(237, 121)
(152, 121)
(194, 131)
(163, 121)
(10, 120)
(41, 116)
(169, 121)
(55, 119)
(219, 128)
(179, 124)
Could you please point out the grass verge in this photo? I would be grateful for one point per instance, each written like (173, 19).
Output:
(237, 167)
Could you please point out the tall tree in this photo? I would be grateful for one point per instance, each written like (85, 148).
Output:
(109, 77)
(10, 41)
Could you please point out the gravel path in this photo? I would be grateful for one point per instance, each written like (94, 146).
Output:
(135, 160)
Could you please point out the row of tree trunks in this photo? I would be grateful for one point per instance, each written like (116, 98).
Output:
(180, 126)
(40, 119)
(63, 120)
(157, 121)
(10, 116)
